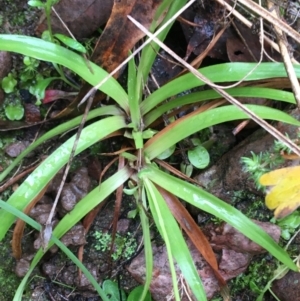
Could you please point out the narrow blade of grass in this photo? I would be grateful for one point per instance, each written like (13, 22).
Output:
(19, 293)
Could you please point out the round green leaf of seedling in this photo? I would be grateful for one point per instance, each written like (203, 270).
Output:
(38, 90)
(196, 141)
(292, 221)
(31, 62)
(199, 157)
(167, 153)
(111, 289)
(136, 293)
(285, 234)
(8, 83)
(46, 36)
(70, 42)
(132, 213)
(187, 169)
(36, 3)
(14, 112)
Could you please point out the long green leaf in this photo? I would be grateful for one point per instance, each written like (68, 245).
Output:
(162, 220)
(228, 72)
(50, 52)
(211, 204)
(174, 240)
(132, 97)
(196, 97)
(147, 245)
(60, 129)
(189, 125)
(38, 179)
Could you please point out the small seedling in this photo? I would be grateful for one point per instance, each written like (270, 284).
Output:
(288, 224)
(29, 71)
(13, 107)
(9, 83)
(123, 246)
(113, 292)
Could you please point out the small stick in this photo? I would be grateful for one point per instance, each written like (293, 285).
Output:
(73, 37)
(249, 25)
(271, 18)
(15, 179)
(282, 42)
(47, 230)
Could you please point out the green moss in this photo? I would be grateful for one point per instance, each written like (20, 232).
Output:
(255, 279)
(18, 19)
(124, 246)
(8, 284)
(8, 279)
(5, 140)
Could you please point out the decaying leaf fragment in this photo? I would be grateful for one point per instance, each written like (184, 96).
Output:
(284, 195)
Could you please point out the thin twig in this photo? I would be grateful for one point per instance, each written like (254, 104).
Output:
(271, 18)
(47, 230)
(282, 42)
(249, 25)
(16, 178)
(73, 37)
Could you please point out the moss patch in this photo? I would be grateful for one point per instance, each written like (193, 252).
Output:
(8, 280)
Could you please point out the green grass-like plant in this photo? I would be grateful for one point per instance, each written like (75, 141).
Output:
(146, 177)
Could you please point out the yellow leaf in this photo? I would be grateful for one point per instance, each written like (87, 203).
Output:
(284, 195)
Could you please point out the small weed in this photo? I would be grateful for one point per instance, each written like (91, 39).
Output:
(265, 161)
(8, 279)
(260, 164)
(216, 221)
(28, 77)
(123, 247)
(5, 140)
(288, 224)
(8, 83)
(256, 277)
(13, 107)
